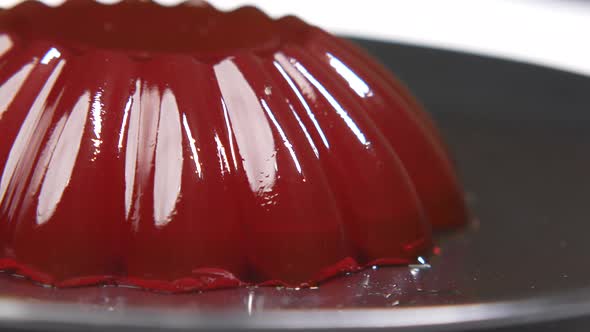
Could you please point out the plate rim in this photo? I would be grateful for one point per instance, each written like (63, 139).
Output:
(538, 309)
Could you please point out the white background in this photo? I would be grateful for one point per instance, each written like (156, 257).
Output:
(549, 32)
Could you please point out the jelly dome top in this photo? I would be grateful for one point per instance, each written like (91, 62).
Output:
(181, 148)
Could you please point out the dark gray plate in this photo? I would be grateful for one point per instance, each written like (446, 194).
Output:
(521, 138)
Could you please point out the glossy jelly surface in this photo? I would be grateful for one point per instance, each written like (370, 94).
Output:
(184, 148)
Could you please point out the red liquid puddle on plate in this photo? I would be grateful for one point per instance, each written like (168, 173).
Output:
(184, 148)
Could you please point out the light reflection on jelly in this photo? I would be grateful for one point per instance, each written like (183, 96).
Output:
(43, 162)
(222, 155)
(334, 103)
(53, 53)
(63, 160)
(354, 81)
(191, 142)
(131, 147)
(12, 86)
(305, 132)
(21, 143)
(286, 142)
(230, 135)
(124, 122)
(250, 127)
(97, 114)
(6, 44)
(287, 71)
(168, 160)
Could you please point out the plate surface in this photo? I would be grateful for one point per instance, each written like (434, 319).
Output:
(520, 135)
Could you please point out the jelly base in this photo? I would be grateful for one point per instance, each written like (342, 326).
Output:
(202, 279)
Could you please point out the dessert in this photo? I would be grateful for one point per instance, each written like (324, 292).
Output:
(184, 148)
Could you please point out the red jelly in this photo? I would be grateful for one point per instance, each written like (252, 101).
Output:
(181, 148)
